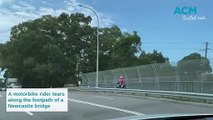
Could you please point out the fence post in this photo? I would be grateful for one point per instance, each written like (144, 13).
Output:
(87, 80)
(156, 76)
(202, 79)
(199, 81)
(139, 76)
(104, 80)
(177, 77)
(113, 74)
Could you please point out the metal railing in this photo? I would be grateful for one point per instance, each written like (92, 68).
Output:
(185, 77)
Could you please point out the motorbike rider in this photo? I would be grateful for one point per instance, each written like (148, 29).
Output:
(121, 82)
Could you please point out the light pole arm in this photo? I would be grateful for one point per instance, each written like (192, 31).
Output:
(93, 12)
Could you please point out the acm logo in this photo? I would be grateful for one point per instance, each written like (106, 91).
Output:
(185, 10)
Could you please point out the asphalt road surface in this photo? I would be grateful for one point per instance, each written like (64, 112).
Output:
(93, 106)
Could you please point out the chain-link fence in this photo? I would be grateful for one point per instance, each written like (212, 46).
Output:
(186, 76)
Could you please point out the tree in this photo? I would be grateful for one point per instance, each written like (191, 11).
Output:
(2, 84)
(51, 51)
(1, 48)
(108, 38)
(125, 49)
(43, 52)
(194, 64)
(151, 58)
(192, 56)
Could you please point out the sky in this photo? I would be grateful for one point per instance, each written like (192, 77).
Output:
(154, 21)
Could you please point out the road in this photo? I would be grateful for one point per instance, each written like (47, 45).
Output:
(93, 106)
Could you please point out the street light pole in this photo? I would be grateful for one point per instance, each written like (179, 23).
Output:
(97, 57)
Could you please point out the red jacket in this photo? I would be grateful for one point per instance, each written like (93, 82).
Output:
(121, 81)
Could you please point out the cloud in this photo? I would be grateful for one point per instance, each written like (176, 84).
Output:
(73, 6)
(5, 2)
(44, 2)
(22, 11)
(125, 30)
(26, 6)
(46, 11)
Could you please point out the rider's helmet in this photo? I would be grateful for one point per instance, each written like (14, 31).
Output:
(121, 77)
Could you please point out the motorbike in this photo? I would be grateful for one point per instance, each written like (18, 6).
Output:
(121, 85)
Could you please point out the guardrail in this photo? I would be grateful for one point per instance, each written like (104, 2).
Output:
(180, 96)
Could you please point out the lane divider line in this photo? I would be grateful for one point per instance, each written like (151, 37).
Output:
(108, 98)
(29, 113)
(104, 106)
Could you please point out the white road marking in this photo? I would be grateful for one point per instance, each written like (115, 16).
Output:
(108, 98)
(29, 113)
(104, 106)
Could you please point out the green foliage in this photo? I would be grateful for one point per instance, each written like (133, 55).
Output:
(125, 50)
(52, 50)
(151, 58)
(192, 56)
(209, 77)
(194, 64)
(108, 37)
(2, 84)
(43, 52)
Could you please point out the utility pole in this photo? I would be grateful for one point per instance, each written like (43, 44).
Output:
(206, 49)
